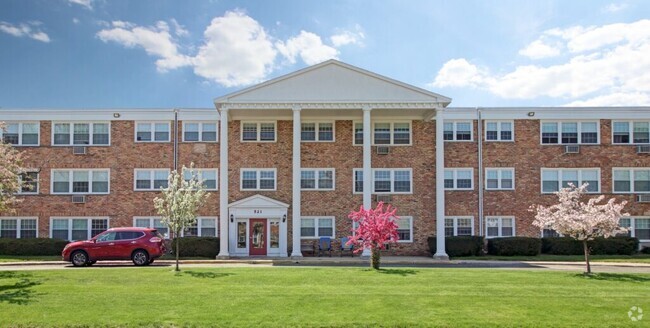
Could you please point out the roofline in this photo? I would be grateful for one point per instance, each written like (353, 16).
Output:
(440, 98)
(557, 108)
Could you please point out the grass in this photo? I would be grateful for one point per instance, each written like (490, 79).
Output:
(15, 258)
(637, 258)
(289, 296)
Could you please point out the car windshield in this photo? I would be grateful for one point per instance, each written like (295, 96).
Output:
(108, 236)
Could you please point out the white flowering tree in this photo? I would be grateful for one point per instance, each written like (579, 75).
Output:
(10, 169)
(179, 203)
(572, 217)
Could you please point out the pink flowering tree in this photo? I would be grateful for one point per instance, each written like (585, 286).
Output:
(10, 169)
(376, 229)
(572, 217)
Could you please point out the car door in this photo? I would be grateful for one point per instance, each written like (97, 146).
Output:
(101, 248)
(126, 244)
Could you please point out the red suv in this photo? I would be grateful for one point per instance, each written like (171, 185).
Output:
(140, 245)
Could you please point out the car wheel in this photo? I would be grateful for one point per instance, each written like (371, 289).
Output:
(140, 257)
(79, 258)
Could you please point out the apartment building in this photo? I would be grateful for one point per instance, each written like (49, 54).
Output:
(285, 162)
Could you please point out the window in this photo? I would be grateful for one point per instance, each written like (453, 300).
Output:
(386, 181)
(204, 227)
(77, 228)
(258, 132)
(459, 226)
(152, 222)
(208, 176)
(554, 179)
(499, 178)
(405, 229)
(316, 227)
(499, 227)
(631, 132)
(11, 227)
(358, 133)
(385, 133)
(639, 227)
(499, 131)
(459, 179)
(458, 131)
(28, 183)
(150, 179)
(199, 131)
(81, 134)
(152, 131)
(627, 180)
(258, 179)
(570, 133)
(21, 133)
(317, 179)
(550, 233)
(96, 181)
(317, 132)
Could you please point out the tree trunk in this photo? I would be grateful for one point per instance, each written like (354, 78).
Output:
(584, 243)
(375, 258)
(178, 252)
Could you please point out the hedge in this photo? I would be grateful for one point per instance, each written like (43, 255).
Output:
(32, 246)
(459, 246)
(511, 246)
(645, 250)
(197, 246)
(599, 246)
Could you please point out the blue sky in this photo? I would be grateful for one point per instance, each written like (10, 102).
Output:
(103, 54)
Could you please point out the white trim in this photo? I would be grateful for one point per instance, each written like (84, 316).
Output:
(499, 219)
(455, 130)
(410, 220)
(317, 124)
(498, 123)
(392, 181)
(631, 171)
(455, 219)
(316, 179)
(454, 171)
(152, 132)
(317, 219)
(71, 180)
(89, 224)
(258, 178)
(200, 132)
(107, 114)
(19, 223)
(633, 226)
(200, 172)
(561, 181)
(258, 131)
(20, 133)
(579, 123)
(38, 183)
(392, 132)
(91, 128)
(499, 177)
(152, 224)
(152, 173)
(630, 131)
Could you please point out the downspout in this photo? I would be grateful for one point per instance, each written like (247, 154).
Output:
(480, 172)
(175, 139)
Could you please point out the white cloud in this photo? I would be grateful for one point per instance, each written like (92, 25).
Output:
(308, 46)
(29, 29)
(615, 7)
(604, 65)
(179, 29)
(88, 4)
(538, 50)
(75, 20)
(348, 37)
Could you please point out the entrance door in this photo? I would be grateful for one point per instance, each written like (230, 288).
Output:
(257, 237)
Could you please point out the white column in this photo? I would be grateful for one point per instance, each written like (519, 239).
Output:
(223, 185)
(367, 165)
(295, 213)
(441, 253)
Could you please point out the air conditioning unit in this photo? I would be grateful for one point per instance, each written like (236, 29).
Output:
(643, 149)
(78, 199)
(572, 149)
(79, 150)
(383, 198)
(383, 150)
(643, 198)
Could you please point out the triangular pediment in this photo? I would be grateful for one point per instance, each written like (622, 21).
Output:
(333, 82)
(257, 201)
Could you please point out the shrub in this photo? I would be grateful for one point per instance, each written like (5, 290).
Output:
(197, 246)
(599, 246)
(511, 246)
(645, 250)
(459, 246)
(561, 246)
(32, 246)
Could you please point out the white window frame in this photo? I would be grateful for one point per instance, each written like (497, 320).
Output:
(455, 177)
(455, 220)
(258, 178)
(392, 132)
(20, 133)
(633, 226)
(199, 226)
(499, 177)
(316, 174)
(498, 123)
(200, 174)
(151, 224)
(19, 223)
(317, 130)
(561, 182)
(392, 181)
(630, 131)
(499, 219)
(152, 178)
(559, 133)
(201, 123)
(410, 220)
(89, 225)
(631, 171)
(152, 125)
(455, 130)
(38, 183)
(259, 131)
(71, 178)
(91, 127)
(317, 226)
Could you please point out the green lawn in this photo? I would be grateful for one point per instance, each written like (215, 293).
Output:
(289, 296)
(637, 258)
(25, 258)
